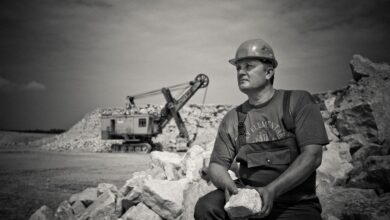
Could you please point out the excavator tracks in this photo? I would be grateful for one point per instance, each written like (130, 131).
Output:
(131, 148)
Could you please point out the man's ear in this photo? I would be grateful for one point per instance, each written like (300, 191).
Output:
(269, 73)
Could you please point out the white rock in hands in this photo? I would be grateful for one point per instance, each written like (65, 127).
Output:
(246, 202)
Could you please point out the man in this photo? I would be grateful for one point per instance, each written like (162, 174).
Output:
(276, 136)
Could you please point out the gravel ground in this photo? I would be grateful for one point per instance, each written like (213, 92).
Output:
(31, 179)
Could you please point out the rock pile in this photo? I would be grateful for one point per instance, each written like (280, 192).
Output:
(354, 174)
(200, 120)
(169, 189)
(352, 182)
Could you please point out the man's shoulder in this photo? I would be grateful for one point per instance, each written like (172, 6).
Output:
(299, 99)
(231, 114)
(300, 96)
(230, 118)
(297, 92)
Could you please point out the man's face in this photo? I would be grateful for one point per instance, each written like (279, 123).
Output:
(251, 75)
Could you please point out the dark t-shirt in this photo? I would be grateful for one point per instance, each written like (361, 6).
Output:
(264, 124)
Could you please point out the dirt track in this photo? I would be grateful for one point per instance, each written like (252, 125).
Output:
(31, 179)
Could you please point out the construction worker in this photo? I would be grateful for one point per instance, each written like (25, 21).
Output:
(276, 136)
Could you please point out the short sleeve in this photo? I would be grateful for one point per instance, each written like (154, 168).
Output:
(224, 150)
(309, 125)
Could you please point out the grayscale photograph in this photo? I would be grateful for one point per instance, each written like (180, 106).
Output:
(194, 110)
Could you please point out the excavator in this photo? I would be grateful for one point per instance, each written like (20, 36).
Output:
(137, 128)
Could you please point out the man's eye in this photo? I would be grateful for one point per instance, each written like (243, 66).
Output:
(238, 68)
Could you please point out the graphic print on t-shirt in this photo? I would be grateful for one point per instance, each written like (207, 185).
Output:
(264, 131)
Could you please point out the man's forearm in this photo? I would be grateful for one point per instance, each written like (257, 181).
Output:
(220, 177)
(303, 166)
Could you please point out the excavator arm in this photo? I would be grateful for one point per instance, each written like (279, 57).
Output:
(173, 106)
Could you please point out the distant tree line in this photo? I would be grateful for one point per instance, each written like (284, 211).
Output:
(51, 131)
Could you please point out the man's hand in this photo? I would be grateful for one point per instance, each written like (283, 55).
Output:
(221, 179)
(267, 196)
(230, 190)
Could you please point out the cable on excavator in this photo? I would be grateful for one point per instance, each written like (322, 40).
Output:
(158, 91)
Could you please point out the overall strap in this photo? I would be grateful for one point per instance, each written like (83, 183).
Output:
(241, 126)
(287, 119)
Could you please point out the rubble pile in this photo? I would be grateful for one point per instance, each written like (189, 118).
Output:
(169, 189)
(354, 175)
(200, 120)
(83, 136)
(352, 182)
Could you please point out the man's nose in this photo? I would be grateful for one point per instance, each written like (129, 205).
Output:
(241, 72)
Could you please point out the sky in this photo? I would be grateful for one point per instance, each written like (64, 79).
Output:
(60, 59)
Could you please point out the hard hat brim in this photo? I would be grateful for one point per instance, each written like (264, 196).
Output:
(234, 61)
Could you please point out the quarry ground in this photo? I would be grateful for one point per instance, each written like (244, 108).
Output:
(30, 178)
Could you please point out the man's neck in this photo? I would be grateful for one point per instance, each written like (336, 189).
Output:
(259, 97)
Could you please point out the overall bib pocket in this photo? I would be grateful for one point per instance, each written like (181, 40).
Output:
(269, 158)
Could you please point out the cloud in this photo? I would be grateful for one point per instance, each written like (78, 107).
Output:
(33, 86)
(319, 15)
(8, 86)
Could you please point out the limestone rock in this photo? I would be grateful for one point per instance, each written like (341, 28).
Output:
(136, 181)
(374, 90)
(331, 135)
(118, 205)
(245, 203)
(375, 174)
(370, 150)
(360, 178)
(373, 208)
(156, 173)
(330, 217)
(170, 162)
(88, 196)
(78, 207)
(194, 191)
(334, 200)
(358, 120)
(103, 187)
(132, 198)
(165, 197)
(325, 115)
(64, 212)
(102, 208)
(140, 212)
(131, 192)
(192, 163)
(335, 163)
(329, 103)
(209, 146)
(43, 213)
(172, 172)
(355, 141)
(363, 67)
(206, 135)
